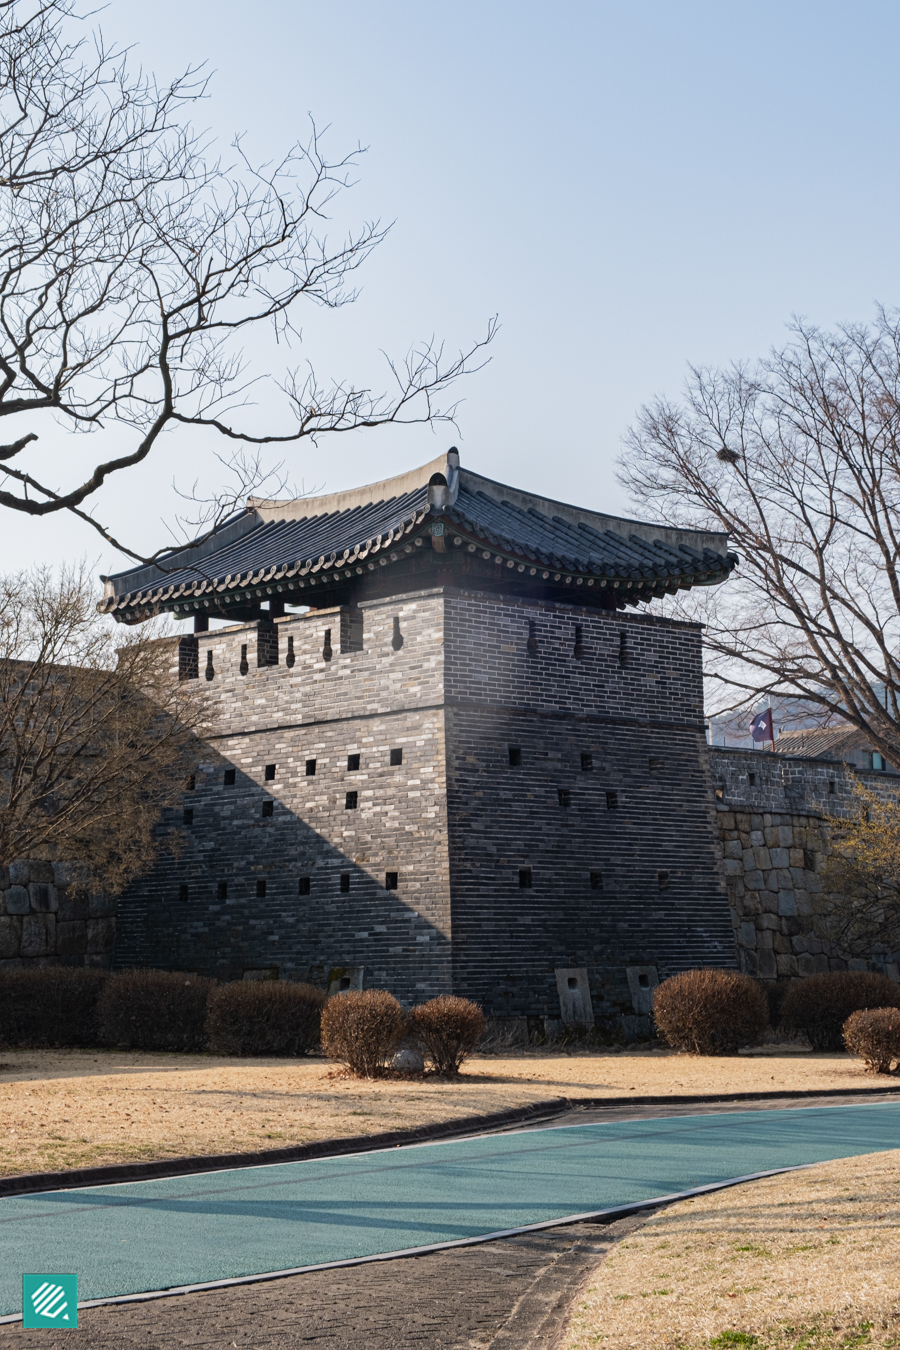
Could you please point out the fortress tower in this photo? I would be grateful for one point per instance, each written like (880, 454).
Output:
(471, 766)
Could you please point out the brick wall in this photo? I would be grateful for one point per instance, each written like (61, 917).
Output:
(452, 678)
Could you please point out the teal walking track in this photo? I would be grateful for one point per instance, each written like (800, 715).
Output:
(155, 1235)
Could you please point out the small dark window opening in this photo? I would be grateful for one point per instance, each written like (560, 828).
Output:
(210, 672)
(662, 880)
(222, 890)
(655, 764)
(228, 777)
(352, 763)
(326, 646)
(245, 665)
(310, 768)
(579, 641)
(268, 808)
(751, 779)
(269, 774)
(831, 785)
(565, 796)
(345, 882)
(587, 761)
(343, 984)
(397, 757)
(596, 881)
(261, 888)
(525, 878)
(572, 981)
(612, 801)
(623, 649)
(352, 801)
(303, 886)
(515, 756)
(290, 658)
(531, 646)
(390, 881)
(182, 892)
(397, 636)
(644, 981)
(191, 784)
(188, 817)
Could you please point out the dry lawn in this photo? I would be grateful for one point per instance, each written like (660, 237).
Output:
(807, 1259)
(75, 1108)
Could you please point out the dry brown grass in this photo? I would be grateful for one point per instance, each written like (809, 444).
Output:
(808, 1259)
(80, 1107)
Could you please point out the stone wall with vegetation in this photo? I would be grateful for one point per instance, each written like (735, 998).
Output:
(774, 837)
(47, 919)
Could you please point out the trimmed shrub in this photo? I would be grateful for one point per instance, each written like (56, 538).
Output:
(874, 1035)
(49, 1005)
(448, 1029)
(154, 1010)
(819, 1005)
(263, 1017)
(362, 1028)
(710, 1012)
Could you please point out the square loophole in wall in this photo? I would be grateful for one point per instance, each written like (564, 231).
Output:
(352, 763)
(345, 883)
(303, 886)
(655, 764)
(612, 801)
(228, 777)
(341, 979)
(188, 816)
(222, 890)
(574, 996)
(526, 880)
(351, 801)
(310, 768)
(183, 892)
(191, 784)
(397, 756)
(515, 756)
(587, 761)
(268, 808)
(663, 880)
(261, 888)
(390, 881)
(642, 980)
(270, 773)
(564, 796)
(596, 880)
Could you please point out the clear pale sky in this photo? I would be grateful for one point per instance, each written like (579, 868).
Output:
(631, 186)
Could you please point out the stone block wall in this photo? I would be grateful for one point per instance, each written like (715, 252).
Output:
(47, 919)
(774, 838)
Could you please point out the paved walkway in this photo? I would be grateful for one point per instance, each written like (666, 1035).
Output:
(187, 1230)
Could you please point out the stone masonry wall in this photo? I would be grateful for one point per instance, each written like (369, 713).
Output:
(46, 919)
(774, 840)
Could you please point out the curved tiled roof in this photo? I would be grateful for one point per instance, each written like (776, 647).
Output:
(291, 544)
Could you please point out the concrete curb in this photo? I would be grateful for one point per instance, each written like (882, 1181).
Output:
(114, 1173)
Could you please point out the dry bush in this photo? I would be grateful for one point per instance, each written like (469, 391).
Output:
(154, 1010)
(819, 1005)
(49, 1005)
(710, 1012)
(448, 1029)
(263, 1017)
(874, 1035)
(362, 1028)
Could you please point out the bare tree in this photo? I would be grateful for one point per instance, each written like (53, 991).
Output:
(858, 908)
(133, 265)
(94, 742)
(798, 458)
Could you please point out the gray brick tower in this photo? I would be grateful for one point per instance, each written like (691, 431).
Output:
(471, 766)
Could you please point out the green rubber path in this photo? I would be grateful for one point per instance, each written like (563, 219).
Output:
(152, 1235)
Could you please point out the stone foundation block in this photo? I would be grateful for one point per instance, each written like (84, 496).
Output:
(101, 936)
(10, 936)
(71, 937)
(38, 934)
(17, 901)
